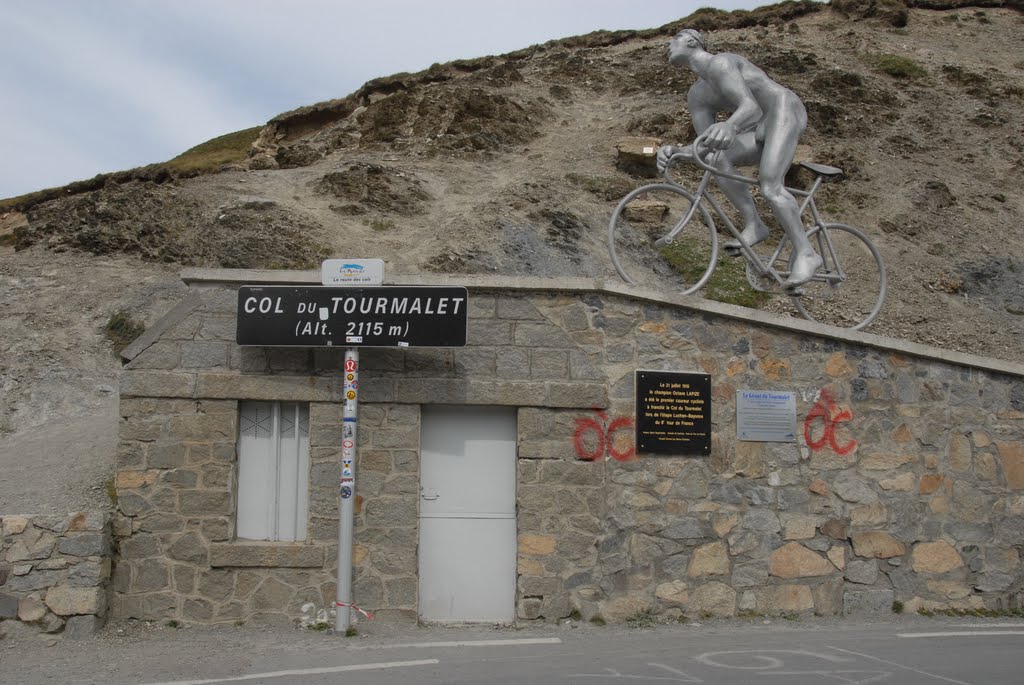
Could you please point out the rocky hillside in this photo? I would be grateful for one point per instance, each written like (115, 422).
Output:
(508, 165)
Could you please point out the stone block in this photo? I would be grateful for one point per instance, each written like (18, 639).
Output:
(799, 526)
(189, 547)
(638, 156)
(935, 557)
(877, 544)
(536, 545)
(82, 627)
(157, 384)
(578, 395)
(853, 489)
(518, 308)
(673, 593)
(793, 560)
(529, 608)
(151, 575)
(761, 520)
(714, 598)
(885, 461)
(784, 599)
(89, 573)
(85, 545)
(8, 606)
(868, 602)
(711, 559)
(74, 601)
(266, 555)
(13, 525)
(205, 503)
(1011, 454)
(30, 610)
(862, 572)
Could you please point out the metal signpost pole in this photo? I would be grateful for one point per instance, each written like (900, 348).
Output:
(346, 497)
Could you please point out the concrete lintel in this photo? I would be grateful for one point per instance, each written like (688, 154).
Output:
(235, 277)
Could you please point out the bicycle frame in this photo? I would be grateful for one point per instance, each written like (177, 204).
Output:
(763, 269)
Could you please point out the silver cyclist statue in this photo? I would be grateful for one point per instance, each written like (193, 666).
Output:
(764, 126)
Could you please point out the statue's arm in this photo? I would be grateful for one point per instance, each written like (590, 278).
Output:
(700, 101)
(728, 81)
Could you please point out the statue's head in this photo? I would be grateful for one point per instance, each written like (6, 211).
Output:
(684, 43)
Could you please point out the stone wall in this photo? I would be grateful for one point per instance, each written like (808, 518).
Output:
(54, 573)
(906, 482)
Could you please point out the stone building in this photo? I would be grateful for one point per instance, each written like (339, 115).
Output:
(905, 483)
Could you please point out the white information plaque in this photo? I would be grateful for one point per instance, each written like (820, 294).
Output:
(765, 416)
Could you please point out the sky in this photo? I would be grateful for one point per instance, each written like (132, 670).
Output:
(93, 86)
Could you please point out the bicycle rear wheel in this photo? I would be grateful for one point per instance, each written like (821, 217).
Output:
(648, 214)
(849, 289)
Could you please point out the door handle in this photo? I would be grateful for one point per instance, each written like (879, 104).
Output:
(433, 494)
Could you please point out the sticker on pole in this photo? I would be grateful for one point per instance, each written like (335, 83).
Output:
(346, 492)
(350, 366)
(351, 394)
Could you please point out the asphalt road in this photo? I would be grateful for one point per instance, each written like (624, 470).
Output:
(910, 651)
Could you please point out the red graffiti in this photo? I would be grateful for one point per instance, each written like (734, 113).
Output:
(605, 441)
(830, 415)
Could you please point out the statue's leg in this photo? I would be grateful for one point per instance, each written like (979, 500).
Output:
(782, 129)
(746, 150)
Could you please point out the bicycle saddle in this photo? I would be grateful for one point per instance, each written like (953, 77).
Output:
(822, 170)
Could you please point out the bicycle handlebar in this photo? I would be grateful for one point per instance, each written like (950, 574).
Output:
(696, 158)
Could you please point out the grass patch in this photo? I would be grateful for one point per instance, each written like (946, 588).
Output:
(897, 607)
(351, 632)
(706, 615)
(382, 224)
(749, 615)
(641, 619)
(111, 491)
(598, 621)
(895, 66)
(121, 329)
(973, 613)
(790, 616)
(173, 624)
(320, 626)
(727, 284)
(215, 153)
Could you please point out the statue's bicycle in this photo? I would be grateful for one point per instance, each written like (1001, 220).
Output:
(667, 229)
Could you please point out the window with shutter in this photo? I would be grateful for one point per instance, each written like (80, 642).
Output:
(273, 471)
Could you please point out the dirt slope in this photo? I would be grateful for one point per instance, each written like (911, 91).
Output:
(508, 165)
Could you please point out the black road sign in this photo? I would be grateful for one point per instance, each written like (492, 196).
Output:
(673, 412)
(382, 316)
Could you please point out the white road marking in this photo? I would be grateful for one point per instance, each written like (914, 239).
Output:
(467, 643)
(303, 671)
(905, 668)
(761, 655)
(962, 633)
(977, 626)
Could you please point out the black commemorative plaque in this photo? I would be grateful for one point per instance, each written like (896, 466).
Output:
(381, 316)
(673, 412)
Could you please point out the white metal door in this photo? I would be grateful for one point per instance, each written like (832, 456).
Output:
(467, 552)
(273, 471)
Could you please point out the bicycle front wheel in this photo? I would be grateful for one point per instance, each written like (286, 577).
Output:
(849, 289)
(650, 213)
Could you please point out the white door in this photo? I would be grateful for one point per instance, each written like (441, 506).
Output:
(467, 552)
